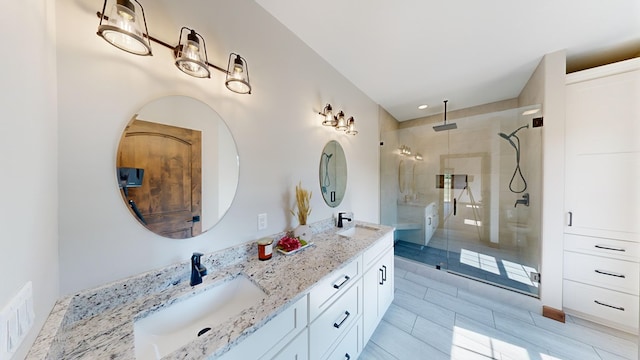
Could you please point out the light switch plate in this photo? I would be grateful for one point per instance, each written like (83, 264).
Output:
(16, 319)
(262, 221)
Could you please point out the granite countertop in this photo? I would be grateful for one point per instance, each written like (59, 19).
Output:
(98, 323)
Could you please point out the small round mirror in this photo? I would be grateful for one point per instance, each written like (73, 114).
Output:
(333, 173)
(177, 167)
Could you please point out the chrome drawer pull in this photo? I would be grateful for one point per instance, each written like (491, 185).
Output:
(609, 273)
(338, 324)
(344, 280)
(607, 305)
(609, 248)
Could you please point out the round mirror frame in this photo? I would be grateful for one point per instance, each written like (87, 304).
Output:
(177, 167)
(333, 174)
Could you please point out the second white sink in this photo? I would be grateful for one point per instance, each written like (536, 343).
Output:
(170, 328)
(359, 231)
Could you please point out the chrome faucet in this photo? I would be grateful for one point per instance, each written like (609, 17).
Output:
(341, 216)
(197, 269)
(524, 201)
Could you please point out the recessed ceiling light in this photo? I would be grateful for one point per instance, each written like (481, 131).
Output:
(529, 112)
(423, 106)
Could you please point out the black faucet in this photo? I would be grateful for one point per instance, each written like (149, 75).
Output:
(197, 269)
(341, 217)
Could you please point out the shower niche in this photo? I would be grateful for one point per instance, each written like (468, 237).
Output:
(471, 202)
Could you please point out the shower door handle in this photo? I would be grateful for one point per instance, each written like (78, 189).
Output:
(455, 206)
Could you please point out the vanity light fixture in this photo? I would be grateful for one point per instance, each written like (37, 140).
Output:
(191, 57)
(338, 121)
(126, 28)
(341, 124)
(327, 115)
(419, 157)
(405, 150)
(238, 75)
(351, 127)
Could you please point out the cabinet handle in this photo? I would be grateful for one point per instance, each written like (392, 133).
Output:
(347, 356)
(609, 273)
(607, 305)
(381, 282)
(338, 324)
(429, 220)
(344, 280)
(609, 248)
(384, 276)
(570, 218)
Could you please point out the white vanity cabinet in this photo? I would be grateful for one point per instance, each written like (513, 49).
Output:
(602, 159)
(275, 337)
(335, 318)
(378, 284)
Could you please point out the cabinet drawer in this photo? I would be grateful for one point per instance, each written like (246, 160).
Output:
(339, 317)
(328, 289)
(612, 274)
(618, 249)
(348, 347)
(608, 305)
(372, 254)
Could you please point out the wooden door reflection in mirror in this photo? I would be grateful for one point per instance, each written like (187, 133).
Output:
(177, 167)
(169, 200)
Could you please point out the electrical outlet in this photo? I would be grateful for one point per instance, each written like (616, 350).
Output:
(262, 221)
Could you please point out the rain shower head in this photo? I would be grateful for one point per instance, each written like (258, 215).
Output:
(445, 126)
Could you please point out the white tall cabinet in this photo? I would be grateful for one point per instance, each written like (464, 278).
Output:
(601, 278)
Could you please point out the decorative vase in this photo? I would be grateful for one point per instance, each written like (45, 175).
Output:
(303, 232)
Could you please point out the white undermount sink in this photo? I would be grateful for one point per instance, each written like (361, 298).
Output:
(359, 231)
(170, 328)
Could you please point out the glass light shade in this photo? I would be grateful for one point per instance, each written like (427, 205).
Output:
(125, 28)
(351, 127)
(238, 75)
(191, 57)
(327, 113)
(342, 123)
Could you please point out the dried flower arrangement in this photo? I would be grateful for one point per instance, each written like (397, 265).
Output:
(303, 198)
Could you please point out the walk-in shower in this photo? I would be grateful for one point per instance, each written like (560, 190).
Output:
(454, 209)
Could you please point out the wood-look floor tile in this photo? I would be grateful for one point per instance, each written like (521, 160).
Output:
(402, 345)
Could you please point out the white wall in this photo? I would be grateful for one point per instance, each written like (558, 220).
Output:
(277, 131)
(546, 87)
(28, 144)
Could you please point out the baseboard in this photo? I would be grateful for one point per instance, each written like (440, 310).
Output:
(551, 313)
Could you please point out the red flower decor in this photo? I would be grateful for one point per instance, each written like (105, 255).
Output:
(289, 243)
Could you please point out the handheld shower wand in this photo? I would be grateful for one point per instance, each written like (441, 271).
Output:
(517, 148)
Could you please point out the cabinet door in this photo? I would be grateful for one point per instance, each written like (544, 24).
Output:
(602, 156)
(297, 349)
(378, 293)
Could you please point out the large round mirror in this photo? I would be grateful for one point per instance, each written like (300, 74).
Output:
(177, 167)
(333, 173)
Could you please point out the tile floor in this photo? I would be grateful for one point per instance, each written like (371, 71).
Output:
(487, 264)
(432, 318)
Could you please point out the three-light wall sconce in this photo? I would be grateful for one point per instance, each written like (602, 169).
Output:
(338, 121)
(125, 27)
(406, 151)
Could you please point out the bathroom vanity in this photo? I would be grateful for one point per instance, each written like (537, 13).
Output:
(323, 301)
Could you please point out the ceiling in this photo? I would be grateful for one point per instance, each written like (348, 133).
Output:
(405, 53)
